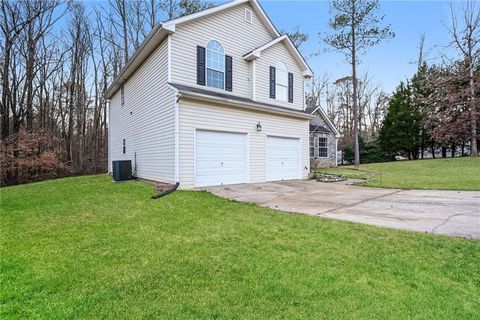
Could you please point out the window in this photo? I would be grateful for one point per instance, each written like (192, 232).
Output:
(122, 96)
(215, 65)
(281, 81)
(124, 146)
(312, 147)
(322, 147)
(248, 15)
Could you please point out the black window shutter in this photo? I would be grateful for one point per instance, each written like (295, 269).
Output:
(290, 87)
(272, 82)
(201, 66)
(228, 73)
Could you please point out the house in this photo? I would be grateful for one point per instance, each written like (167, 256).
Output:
(323, 139)
(212, 98)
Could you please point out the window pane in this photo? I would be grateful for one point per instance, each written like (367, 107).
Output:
(281, 81)
(323, 152)
(322, 142)
(281, 66)
(215, 65)
(312, 152)
(215, 79)
(281, 92)
(282, 78)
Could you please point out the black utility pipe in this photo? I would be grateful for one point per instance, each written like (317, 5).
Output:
(167, 192)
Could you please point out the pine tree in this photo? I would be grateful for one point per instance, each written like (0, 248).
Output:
(400, 132)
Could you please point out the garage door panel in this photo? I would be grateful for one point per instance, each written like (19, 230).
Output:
(220, 158)
(228, 164)
(282, 158)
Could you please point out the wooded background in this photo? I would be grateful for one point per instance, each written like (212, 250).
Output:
(58, 57)
(57, 60)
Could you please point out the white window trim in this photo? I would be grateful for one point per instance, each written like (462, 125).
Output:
(206, 66)
(318, 147)
(310, 146)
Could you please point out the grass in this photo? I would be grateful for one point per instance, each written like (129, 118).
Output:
(87, 248)
(440, 174)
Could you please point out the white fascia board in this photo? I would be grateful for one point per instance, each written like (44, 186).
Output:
(256, 54)
(153, 40)
(204, 13)
(256, 6)
(246, 105)
(327, 120)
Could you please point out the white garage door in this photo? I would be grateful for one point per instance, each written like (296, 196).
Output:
(282, 158)
(220, 158)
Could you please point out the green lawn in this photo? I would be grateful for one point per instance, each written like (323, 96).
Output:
(441, 174)
(89, 248)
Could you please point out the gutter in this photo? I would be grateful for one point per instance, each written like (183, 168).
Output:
(247, 105)
(129, 69)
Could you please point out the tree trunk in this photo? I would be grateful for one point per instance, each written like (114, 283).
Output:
(444, 152)
(355, 100)
(29, 76)
(453, 150)
(473, 114)
(5, 112)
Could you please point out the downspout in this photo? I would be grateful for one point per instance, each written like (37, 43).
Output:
(336, 151)
(177, 97)
(109, 138)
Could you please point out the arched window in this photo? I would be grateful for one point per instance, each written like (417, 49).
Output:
(281, 81)
(215, 65)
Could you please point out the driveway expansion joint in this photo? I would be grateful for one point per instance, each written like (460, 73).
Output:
(359, 202)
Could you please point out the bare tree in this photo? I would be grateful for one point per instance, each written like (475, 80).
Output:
(466, 38)
(355, 27)
(315, 88)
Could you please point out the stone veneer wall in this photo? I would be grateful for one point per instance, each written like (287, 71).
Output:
(331, 160)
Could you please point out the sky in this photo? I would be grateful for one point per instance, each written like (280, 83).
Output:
(389, 62)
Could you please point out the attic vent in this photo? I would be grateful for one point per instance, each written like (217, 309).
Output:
(248, 15)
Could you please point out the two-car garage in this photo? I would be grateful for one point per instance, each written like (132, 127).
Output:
(222, 158)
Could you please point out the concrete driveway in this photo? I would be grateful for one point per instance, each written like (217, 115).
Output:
(454, 213)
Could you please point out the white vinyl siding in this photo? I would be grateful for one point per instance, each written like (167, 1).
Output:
(270, 57)
(146, 122)
(196, 116)
(228, 27)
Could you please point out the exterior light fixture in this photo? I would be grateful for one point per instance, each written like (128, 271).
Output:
(259, 126)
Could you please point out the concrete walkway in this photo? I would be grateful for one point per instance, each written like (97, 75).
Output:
(454, 213)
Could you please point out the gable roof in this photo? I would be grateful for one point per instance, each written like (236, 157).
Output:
(256, 53)
(319, 129)
(312, 110)
(254, 3)
(163, 29)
